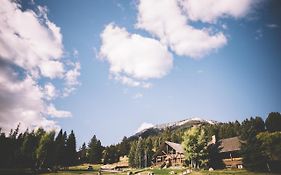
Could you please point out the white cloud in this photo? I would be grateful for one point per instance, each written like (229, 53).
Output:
(71, 78)
(144, 126)
(138, 96)
(165, 20)
(211, 10)
(132, 82)
(31, 43)
(272, 26)
(31, 52)
(133, 58)
(21, 101)
(50, 91)
(53, 112)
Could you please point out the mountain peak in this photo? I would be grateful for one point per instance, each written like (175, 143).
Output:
(180, 123)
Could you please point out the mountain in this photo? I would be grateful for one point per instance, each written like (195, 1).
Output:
(182, 124)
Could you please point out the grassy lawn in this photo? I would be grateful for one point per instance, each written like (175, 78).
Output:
(82, 169)
(229, 172)
(167, 172)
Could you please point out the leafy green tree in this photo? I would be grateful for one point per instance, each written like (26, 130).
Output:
(273, 122)
(148, 152)
(139, 153)
(132, 154)
(195, 146)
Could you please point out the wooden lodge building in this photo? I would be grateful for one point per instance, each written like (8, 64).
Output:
(172, 154)
(229, 150)
(169, 153)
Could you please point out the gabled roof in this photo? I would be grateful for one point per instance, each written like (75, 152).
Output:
(175, 146)
(230, 144)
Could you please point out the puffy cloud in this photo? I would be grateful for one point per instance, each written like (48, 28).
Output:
(164, 19)
(31, 52)
(71, 78)
(134, 58)
(272, 26)
(144, 126)
(53, 112)
(30, 40)
(210, 10)
(50, 91)
(21, 101)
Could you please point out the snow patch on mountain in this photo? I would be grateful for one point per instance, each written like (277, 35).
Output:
(146, 126)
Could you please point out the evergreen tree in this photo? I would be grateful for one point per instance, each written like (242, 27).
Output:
(271, 148)
(273, 122)
(71, 150)
(124, 147)
(44, 152)
(60, 149)
(253, 158)
(83, 153)
(215, 159)
(28, 148)
(95, 150)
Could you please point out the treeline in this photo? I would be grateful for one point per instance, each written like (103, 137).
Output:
(260, 150)
(261, 147)
(37, 149)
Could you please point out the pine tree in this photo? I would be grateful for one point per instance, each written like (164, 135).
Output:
(71, 149)
(44, 152)
(95, 150)
(273, 122)
(83, 153)
(253, 158)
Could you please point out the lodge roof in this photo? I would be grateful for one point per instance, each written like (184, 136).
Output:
(230, 144)
(175, 146)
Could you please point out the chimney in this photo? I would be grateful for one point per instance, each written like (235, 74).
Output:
(213, 139)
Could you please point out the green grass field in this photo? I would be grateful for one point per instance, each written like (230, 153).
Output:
(167, 172)
(82, 169)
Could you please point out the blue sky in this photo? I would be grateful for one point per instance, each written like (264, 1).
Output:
(235, 75)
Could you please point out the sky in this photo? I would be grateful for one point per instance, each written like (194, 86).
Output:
(111, 68)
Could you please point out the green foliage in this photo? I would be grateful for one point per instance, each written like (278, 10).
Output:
(195, 146)
(83, 153)
(214, 157)
(132, 154)
(44, 153)
(110, 154)
(95, 150)
(141, 153)
(35, 149)
(71, 155)
(273, 122)
(271, 147)
(253, 158)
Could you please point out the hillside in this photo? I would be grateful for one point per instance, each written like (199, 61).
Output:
(182, 124)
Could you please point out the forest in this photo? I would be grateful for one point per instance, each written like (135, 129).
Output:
(40, 150)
